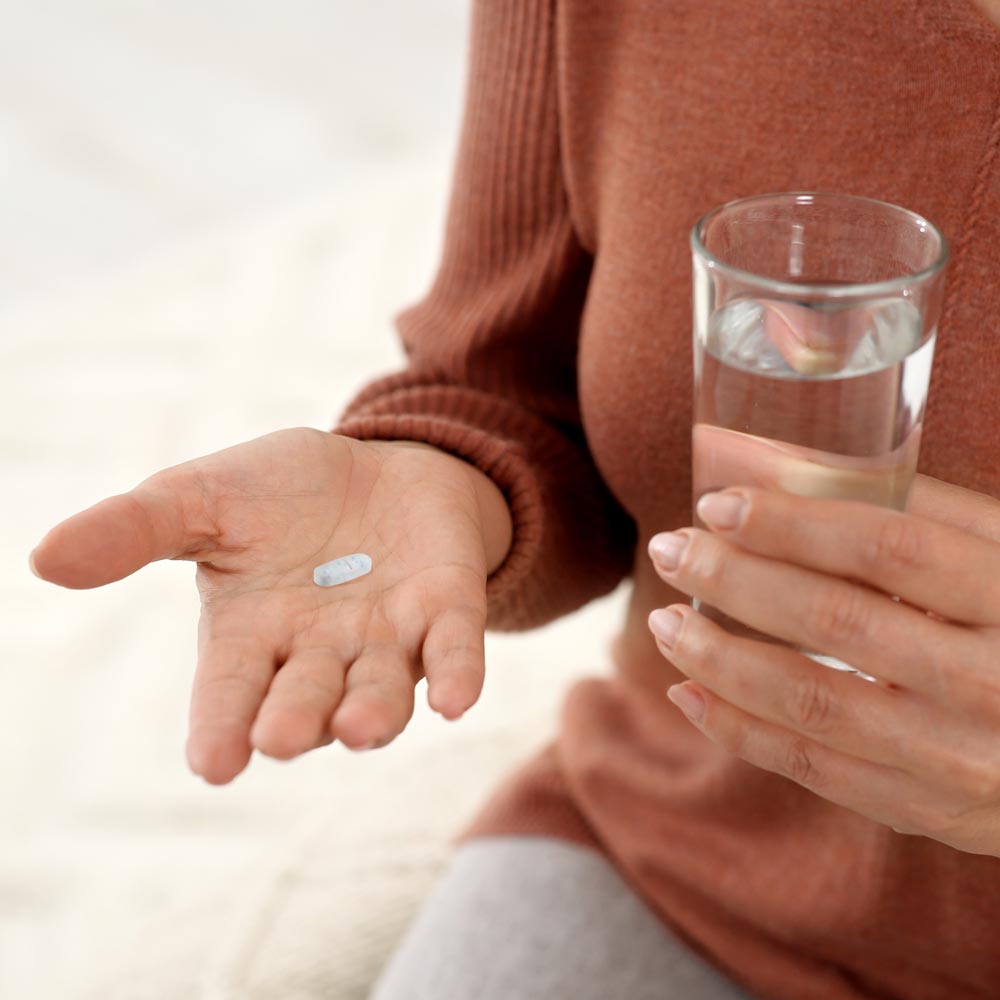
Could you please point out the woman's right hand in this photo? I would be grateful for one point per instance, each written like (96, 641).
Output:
(283, 664)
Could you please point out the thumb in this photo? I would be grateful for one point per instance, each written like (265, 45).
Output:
(118, 536)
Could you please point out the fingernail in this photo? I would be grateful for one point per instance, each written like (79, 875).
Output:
(665, 623)
(722, 510)
(31, 564)
(666, 549)
(688, 701)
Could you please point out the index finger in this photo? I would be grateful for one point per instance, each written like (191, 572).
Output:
(933, 566)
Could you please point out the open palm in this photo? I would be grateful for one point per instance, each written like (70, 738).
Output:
(285, 665)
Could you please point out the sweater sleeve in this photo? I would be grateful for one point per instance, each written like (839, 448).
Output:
(491, 349)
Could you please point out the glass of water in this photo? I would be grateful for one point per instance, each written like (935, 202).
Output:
(815, 317)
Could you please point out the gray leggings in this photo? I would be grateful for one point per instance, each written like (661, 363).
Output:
(534, 918)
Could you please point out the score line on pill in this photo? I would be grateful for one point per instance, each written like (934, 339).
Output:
(342, 570)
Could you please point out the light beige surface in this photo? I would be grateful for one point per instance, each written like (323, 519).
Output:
(210, 213)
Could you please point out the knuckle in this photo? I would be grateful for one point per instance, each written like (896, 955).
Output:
(798, 764)
(811, 706)
(694, 643)
(839, 614)
(704, 561)
(896, 544)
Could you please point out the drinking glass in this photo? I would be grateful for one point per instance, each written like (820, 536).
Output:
(815, 317)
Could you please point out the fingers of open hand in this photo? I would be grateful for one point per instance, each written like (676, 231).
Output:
(454, 659)
(378, 697)
(231, 679)
(430, 627)
(295, 715)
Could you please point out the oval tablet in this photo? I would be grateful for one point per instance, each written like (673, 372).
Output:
(342, 570)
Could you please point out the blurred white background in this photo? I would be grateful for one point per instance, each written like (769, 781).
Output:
(209, 212)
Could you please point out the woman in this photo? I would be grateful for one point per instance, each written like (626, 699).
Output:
(831, 838)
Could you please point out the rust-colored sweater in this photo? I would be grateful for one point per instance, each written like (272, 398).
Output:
(553, 352)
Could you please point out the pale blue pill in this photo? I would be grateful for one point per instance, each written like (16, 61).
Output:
(342, 570)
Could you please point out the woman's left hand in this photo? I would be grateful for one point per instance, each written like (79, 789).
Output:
(919, 749)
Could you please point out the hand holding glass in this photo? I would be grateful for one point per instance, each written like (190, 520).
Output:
(815, 317)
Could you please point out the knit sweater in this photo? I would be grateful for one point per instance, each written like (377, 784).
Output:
(553, 353)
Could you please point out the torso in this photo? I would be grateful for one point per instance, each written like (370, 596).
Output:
(666, 110)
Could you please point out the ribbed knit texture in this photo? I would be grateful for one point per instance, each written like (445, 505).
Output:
(596, 133)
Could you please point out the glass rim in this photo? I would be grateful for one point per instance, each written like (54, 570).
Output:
(828, 290)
